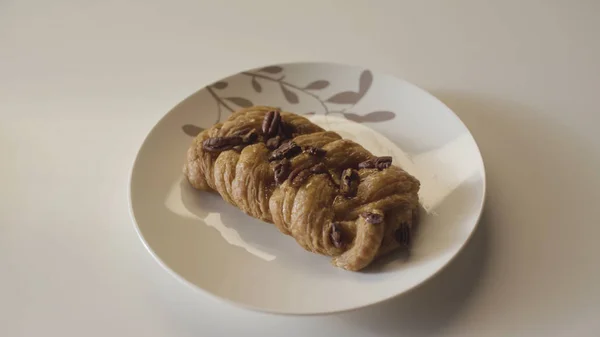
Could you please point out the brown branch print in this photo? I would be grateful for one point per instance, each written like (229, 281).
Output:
(220, 102)
(272, 69)
(375, 116)
(289, 95)
(290, 92)
(317, 85)
(192, 130)
(239, 101)
(220, 85)
(352, 97)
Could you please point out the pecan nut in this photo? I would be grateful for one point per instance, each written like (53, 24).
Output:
(299, 177)
(286, 150)
(349, 183)
(299, 174)
(271, 123)
(373, 218)
(219, 144)
(315, 151)
(379, 163)
(383, 162)
(282, 171)
(273, 143)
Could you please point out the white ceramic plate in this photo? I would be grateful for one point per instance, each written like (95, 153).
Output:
(215, 247)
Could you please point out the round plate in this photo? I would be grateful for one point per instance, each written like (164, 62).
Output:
(213, 246)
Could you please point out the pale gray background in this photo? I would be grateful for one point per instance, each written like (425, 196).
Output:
(82, 82)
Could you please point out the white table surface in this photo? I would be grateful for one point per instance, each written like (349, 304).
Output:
(82, 82)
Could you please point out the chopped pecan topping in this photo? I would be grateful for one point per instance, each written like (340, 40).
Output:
(349, 183)
(299, 177)
(315, 151)
(285, 131)
(336, 236)
(379, 163)
(383, 162)
(296, 171)
(236, 141)
(286, 150)
(219, 144)
(282, 171)
(299, 174)
(273, 143)
(403, 235)
(373, 218)
(271, 123)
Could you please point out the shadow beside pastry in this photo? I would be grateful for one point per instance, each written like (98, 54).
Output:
(428, 307)
(257, 237)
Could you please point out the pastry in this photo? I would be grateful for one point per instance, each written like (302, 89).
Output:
(330, 194)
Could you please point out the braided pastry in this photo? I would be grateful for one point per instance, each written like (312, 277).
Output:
(330, 194)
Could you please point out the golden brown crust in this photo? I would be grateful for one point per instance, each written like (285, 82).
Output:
(353, 217)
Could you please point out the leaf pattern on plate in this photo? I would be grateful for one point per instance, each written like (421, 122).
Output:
(244, 103)
(272, 69)
(191, 130)
(290, 92)
(317, 85)
(375, 116)
(365, 81)
(220, 85)
(255, 85)
(352, 97)
(345, 97)
(289, 95)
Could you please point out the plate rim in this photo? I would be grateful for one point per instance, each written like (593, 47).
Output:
(197, 289)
